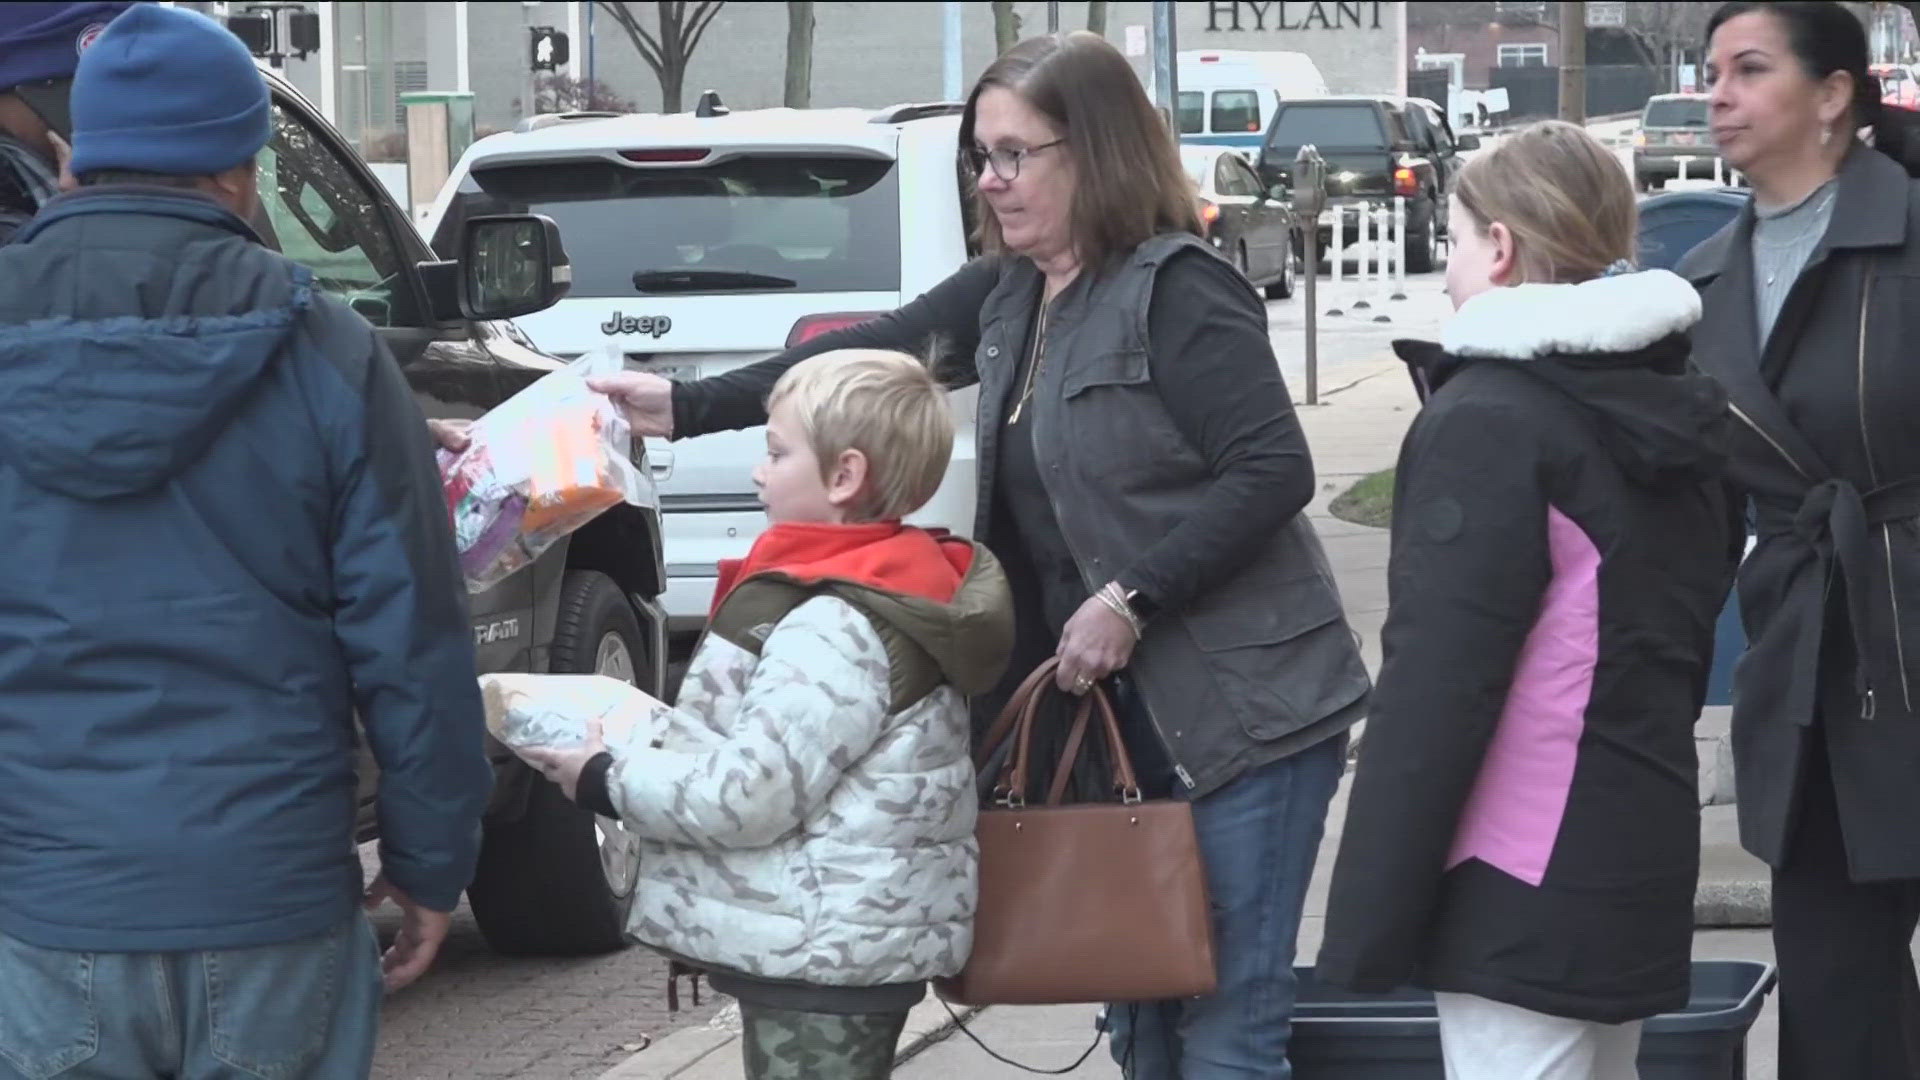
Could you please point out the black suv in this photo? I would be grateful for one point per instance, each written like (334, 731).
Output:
(1375, 148)
(553, 879)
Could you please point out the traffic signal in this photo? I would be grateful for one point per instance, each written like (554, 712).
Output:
(303, 33)
(254, 29)
(549, 48)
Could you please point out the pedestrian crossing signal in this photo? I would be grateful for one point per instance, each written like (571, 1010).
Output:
(550, 48)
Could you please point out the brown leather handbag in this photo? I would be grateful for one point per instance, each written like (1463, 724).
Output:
(1088, 902)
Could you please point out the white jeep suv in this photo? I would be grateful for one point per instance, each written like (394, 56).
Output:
(702, 243)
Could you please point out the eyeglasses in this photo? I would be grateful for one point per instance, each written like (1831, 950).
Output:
(1004, 160)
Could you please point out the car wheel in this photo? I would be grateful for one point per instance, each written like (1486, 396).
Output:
(558, 880)
(1282, 288)
(1423, 248)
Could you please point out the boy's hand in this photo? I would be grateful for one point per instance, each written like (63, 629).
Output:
(563, 766)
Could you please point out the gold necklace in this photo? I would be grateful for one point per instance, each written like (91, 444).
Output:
(1033, 369)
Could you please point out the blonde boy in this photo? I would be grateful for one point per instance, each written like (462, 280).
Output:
(807, 823)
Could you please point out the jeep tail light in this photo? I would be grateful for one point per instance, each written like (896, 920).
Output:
(1209, 215)
(685, 155)
(1405, 182)
(813, 326)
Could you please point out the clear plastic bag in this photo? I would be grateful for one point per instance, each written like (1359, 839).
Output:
(551, 712)
(543, 463)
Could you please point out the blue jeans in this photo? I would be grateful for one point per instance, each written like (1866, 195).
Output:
(305, 1009)
(1258, 839)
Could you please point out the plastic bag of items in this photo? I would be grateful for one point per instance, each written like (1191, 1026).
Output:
(553, 711)
(543, 463)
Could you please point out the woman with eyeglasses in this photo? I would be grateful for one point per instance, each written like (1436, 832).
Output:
(1143, 477)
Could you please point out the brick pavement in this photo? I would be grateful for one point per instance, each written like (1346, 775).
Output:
(479, 1015)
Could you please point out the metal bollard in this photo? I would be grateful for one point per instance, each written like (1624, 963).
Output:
(1336, 256)
(1399, 248)
(1365, 245)
(1383, 269)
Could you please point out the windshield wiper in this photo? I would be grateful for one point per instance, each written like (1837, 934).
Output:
(664, 281)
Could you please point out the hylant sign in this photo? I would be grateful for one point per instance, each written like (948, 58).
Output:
(1245, 15)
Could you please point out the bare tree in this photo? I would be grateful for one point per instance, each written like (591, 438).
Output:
(557, 92)
(799, 54)
(1006, 26)
(670, 44)
(1097, 16)
(1659, 31)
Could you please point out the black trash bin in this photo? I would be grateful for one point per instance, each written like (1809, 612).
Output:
(1670, 226)
(1340, 1036)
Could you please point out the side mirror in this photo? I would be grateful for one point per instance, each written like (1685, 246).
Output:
(1467, 142)
(513, 265)
(1279, 193)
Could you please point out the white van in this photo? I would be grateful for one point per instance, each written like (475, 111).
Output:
(1227, 97)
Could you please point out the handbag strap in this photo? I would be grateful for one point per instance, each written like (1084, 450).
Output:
(1126, 783)
(1014, 780)
(1010, 712)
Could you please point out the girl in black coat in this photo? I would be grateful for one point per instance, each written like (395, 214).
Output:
(1524, 831)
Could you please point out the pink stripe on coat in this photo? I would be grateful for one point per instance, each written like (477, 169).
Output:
(1513, 816)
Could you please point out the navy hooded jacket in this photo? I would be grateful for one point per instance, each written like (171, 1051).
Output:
(224, 536)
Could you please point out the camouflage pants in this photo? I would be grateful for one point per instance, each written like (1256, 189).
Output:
(783, 1045)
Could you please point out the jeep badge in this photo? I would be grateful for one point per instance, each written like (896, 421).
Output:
(656, 325)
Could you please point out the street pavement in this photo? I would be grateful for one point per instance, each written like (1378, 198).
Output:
(479, 1015)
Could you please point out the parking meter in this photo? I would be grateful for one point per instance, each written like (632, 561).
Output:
(1309, 185)
(1309, 200)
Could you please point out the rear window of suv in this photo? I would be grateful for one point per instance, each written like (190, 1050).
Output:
(1676, 113)
(827, 224)
(1356, 125)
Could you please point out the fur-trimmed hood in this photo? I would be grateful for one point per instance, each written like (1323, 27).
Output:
(1619, 314)
(1617, 345)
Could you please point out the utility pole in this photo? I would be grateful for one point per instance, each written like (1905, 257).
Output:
(1573, 61)
(1165, 70)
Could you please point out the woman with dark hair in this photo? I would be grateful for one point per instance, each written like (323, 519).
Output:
(1810, 299)
(1142, 476)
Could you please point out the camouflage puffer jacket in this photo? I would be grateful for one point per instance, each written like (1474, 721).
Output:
(809, 814)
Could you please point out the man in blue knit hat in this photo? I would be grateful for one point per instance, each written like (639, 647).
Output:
(225, 540)
(39, 45)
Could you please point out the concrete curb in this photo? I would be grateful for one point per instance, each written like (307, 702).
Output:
(1726, 905)
(711, 1050)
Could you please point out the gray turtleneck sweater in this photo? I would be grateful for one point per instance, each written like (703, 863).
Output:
(1783, 239)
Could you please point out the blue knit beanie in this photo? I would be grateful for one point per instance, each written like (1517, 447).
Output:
(166, 90)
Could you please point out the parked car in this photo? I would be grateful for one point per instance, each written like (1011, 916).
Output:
(1377, 148)
(1897, 85)
(552, 879)
(1673, 128)
(1245, 222)
(703, 243)
(1227, 97)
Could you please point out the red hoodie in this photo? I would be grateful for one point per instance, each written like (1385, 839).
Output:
(885, 555)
